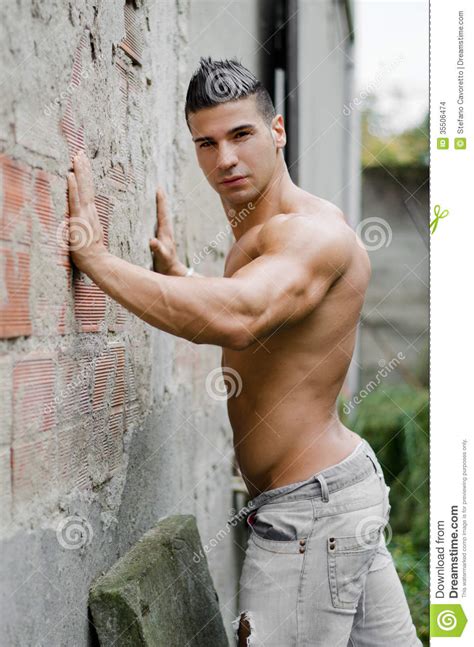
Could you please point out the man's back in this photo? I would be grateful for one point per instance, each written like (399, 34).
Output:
(284, 418)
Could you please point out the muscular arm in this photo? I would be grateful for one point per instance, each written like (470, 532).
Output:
(298, 263)
(296, 267)
(280, 287)
(204, 311)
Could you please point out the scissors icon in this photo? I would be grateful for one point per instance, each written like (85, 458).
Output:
(438, 215)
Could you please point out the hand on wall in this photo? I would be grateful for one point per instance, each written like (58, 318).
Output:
(163, 246)
(86, 236)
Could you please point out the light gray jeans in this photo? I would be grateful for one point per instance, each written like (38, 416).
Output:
(317, 571)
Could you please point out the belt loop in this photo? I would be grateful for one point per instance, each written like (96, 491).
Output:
(376, 468)
(324, 487)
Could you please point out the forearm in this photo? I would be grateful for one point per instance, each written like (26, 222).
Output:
(204, 312)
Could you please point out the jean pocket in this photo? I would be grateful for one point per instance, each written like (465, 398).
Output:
(282, 528)
(349, 561)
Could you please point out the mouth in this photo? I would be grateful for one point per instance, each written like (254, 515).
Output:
(234, 181)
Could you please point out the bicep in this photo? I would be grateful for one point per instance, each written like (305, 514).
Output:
(280, 289)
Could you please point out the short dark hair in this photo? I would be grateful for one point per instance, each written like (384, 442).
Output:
(216, 82)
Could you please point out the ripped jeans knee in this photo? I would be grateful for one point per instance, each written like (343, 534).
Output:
(244, 629)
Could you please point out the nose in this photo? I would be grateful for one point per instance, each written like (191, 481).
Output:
(226, 157)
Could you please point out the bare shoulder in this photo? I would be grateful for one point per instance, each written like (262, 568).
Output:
(319, 237)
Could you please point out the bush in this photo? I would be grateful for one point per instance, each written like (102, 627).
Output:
(394, 420)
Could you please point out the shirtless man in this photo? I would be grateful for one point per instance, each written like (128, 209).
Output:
(285, 314)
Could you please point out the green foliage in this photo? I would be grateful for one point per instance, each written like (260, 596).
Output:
(413, 569)
(394, 419)
(409, 148)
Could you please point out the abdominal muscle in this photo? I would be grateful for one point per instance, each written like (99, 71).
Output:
(288, 445)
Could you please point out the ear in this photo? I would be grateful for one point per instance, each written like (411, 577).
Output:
(278, 131)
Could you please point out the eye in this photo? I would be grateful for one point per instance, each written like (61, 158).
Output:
(205, 145)
(242, 132)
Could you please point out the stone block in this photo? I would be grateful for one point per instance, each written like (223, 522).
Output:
(158, 594)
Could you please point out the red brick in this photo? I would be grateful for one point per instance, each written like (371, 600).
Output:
(15, 318)
(15, 227)
(89, 305)
(132, 414)
(75, 376)
(53, 245)
(34, 408)
(135, 82)
(54, 235)
(72, 453)
(33, 470)
(136, 175)
(74, 134)
(99, 450)
(132, 44)
(43, 208)
(15, 216)
(76, 74)
(109, 379)
(106, 445)
(119, 317)
(62, 328)
(123, 82)
(117, 178)
(103, 206)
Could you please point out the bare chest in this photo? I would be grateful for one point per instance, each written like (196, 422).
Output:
(243, 251)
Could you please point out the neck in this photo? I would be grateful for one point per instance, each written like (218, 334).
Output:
(271, 201)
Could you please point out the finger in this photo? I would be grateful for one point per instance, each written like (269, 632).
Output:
(73, 196)
(84, 179)
(155, 245)
(163, 223)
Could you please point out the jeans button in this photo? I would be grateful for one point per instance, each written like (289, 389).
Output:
(302, 542)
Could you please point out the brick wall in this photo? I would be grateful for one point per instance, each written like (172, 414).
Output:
(105, 423)
(65, 410)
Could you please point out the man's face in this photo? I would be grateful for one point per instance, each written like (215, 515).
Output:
(233, 141)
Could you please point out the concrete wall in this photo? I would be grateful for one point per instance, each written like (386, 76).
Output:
(106, 423)
(326, 139)
(396, 310)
